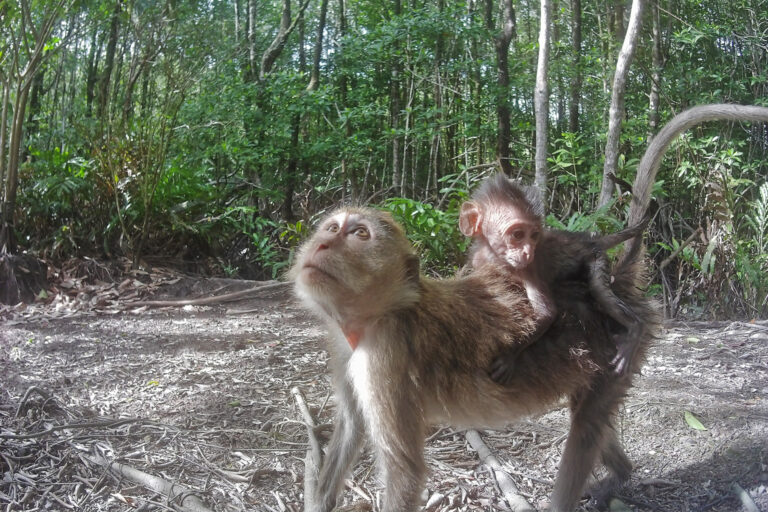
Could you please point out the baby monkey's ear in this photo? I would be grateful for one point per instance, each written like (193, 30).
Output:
(470, 219)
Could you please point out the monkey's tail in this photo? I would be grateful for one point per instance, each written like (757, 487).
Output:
(614, 239)
(651, 161)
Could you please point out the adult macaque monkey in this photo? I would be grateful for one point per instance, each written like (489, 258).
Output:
(407, 351)
(505, 221)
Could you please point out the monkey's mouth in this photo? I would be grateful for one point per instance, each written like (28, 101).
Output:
(315, 272)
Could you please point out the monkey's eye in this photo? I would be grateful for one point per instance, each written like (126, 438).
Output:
(518, 234)
(362, 233)
(333, 227)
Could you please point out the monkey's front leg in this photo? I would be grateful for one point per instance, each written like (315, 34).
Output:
(343, 450)
(398, 436)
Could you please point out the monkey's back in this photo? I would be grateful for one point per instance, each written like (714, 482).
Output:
(461, 325)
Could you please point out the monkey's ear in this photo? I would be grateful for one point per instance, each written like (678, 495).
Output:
(470, 219)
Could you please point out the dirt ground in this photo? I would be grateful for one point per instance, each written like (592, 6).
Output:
(200, 396)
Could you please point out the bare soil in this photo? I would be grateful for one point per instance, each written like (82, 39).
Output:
(204, 395)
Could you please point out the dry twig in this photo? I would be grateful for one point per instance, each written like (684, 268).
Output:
(175, 493)
(204, 301)
(313, 459)
(516, 502)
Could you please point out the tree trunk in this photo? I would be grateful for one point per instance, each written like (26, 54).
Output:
(91, 75)
(434, 152)
(7, 234)
(314, 80)
(616, 112)
(573, 113)
(653, 114)
(278, 43)
(109, 62)
(4, 133)
(501, 44)
(541, 99)
(350, 175)
(394, 114)
(250, 30)
(237, 8)
(35, 96)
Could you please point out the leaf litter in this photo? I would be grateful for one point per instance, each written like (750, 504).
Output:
(199, 398)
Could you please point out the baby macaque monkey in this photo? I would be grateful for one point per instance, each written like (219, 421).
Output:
(505, 221)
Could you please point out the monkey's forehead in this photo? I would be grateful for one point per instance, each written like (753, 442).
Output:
(380, 220)
(508, 214)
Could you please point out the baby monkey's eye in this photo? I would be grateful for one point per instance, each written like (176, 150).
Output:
(518, 234)
(333, 227)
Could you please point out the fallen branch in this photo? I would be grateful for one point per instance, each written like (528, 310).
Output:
(70, 426)
(683, 245)
(203, 301)
(43, 393)
(515, 501)
(176, 494)
(313, 460)
(746, 500)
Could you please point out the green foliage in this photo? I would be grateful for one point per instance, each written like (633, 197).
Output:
(433, 232)
(183, 150)
(599, 221)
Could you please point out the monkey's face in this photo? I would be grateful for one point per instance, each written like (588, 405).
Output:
(354, 265)
(512, 236)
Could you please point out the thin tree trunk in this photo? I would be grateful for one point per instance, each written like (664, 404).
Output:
(314, 80)
(653, 114)
(23, 82)
(91, 74)
(237, 8)
(7, 234)
(350, 175)
(251, 37)
(501, 44)
(616, 112)
(541, 99)
(394, 113)
(573, 114)
(278, 43)
(434, 152)
(109, 62)
(4, 133)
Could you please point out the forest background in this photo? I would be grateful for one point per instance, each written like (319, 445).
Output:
(208, 135)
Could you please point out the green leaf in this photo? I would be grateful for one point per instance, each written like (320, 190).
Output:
(616, 505)
(692, 340)
(693, 421)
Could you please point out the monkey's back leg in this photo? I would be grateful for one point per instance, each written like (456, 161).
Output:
(591, 435)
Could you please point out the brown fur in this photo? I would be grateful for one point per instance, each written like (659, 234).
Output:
(540, 259)
(423, 359)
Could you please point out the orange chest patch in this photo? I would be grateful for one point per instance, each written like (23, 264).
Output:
(353, 338)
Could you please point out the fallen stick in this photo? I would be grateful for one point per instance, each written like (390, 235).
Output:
(746, 500)
(682, 246)
(515, 501)
(178, 495)
(202, 301)
(313, 459)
